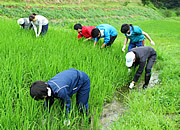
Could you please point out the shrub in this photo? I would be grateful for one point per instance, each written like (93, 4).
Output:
(126, 3)
(145, 2)
(177, 12)
(167, 13)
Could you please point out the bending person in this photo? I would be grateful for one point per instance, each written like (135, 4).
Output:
(25, 23)
(136, 36)
(62, 86)
(106, 31)
(41, 21)
(84, 31)
(139, 56)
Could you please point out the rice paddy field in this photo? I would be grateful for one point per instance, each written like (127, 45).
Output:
(25, 59)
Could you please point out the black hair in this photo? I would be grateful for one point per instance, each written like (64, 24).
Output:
(131, 26)
(124, 28)
(38, 90)
(32, 16)
(77, 26)
(95, 32)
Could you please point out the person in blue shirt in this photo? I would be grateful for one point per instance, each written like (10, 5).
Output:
(106, 31)
(136, 36)
(62, 86)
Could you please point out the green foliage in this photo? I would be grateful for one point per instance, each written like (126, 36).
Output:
(145, 2)
(26, 59)
(126, 3)
(158, 107)
(166, 3)
(89, 16)
(178, 12)
(167, 13)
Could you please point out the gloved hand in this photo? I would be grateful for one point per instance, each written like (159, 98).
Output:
(129, 70)
(67, 122)
(123, 49)
(37, 35)
(131, 85)
(152, 43)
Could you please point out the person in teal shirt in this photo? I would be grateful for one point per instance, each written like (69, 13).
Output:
(106, 31)
(136, 36)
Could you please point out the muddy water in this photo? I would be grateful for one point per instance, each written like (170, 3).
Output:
(113, 110)
(153, 81)
(111, 113)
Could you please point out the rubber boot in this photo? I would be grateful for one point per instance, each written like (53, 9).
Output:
(147, 78)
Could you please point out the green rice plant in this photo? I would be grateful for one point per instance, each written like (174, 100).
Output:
(158, 107)
(26, 58)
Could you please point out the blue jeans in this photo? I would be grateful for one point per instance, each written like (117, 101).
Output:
(44, 29)
(133, 45)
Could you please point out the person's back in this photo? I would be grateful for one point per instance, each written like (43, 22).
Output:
(40, 20)
(106, 31)
(70, 79)
(27, 23)
(109, 29)
(142, 56)
(86, 31)
(136, 34)
(142, 53)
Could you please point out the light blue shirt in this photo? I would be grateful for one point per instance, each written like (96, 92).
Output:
(106, 31)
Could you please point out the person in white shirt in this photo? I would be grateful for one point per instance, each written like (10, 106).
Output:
(25, 23)
(41, 21)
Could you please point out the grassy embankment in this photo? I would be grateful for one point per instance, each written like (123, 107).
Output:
(89, 14)
(158, 108)
(26, 59)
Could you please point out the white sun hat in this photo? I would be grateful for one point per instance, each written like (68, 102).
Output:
(20, 21)
(130, 56)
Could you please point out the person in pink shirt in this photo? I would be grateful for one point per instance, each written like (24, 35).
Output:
(84, 31)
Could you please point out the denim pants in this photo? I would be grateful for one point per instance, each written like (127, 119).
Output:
(44, 29)
(133, 45)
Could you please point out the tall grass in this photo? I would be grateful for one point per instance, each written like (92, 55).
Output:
(25, 58)
(90, 16)
(157, 108)
(59, 1)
